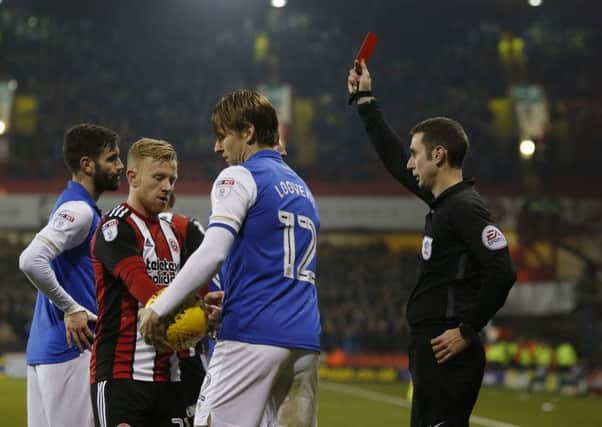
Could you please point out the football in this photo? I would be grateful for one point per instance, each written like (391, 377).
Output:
(187, 326)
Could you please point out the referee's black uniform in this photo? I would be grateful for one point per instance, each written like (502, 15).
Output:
(465, 277)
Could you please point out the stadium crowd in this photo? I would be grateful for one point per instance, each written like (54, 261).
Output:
(157, 72)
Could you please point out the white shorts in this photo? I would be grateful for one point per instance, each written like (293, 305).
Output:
(250, 385)
(58, 394)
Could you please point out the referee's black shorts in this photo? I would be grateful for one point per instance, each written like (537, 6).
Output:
(444, 395)
(137, 403)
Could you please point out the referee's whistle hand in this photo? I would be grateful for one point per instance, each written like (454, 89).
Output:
(448, 344)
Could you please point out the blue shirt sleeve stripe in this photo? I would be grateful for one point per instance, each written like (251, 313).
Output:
(225, 226)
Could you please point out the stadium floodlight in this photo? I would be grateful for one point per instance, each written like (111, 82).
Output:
(2, 127)
(527, 148)
(278, 3)
(535, 3)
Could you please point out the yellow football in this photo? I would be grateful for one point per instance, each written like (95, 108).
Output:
(187, 326)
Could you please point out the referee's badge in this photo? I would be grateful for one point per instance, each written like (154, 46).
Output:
(427, 247)
(109, 230)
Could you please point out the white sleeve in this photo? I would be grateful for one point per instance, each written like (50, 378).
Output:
(68, 227)
(233, 193)
(198, 270)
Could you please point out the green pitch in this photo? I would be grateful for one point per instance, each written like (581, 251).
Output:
(351, 405)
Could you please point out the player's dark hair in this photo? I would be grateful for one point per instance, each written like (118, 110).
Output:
(86, 140)
(239, 109)
(447, 133)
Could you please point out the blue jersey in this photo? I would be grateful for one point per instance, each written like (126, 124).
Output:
(72, 223)
(269, 275)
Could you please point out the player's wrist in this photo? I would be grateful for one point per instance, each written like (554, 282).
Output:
(73, 308)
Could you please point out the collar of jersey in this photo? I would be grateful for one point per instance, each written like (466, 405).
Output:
(77, 188)
(265, 153)
(465, 183)
(147, 219)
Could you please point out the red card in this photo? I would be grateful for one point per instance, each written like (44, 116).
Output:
(367, 48)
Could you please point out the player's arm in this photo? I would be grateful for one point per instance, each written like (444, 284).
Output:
(68, 227)
(388, 145)
(488, 245)
(233, 193)
(116, 247)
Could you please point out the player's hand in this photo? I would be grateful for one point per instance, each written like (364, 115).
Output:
(213, 307)
(153, 329)
(359, 80)
(449, 344)
(77, 330)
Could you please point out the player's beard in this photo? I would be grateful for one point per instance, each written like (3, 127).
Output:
(106, 181)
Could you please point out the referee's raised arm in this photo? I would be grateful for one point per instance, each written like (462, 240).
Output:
(392, 151)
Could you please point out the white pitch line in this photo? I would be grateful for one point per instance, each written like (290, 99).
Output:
(397, 401)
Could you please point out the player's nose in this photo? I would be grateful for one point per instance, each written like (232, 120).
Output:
(218, 146)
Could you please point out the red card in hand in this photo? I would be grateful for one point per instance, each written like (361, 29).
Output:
(367, 48)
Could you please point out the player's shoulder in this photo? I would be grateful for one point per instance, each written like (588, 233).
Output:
(71, 210)
(231, 174)
(120, 212)
(115, 222)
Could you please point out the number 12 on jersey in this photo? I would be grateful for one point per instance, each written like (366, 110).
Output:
(302, 273)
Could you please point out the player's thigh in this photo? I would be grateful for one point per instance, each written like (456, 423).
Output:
(126, 402)
(36, 414)
(66, 392)
(299, 407)
(238, 383)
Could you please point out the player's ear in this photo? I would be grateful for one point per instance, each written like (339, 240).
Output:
(132, 176)
(86, 165)
(248, 134)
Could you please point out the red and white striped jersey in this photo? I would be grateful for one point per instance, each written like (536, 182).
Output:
(133, 256)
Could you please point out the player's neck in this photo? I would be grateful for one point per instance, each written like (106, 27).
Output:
(137, 205)
(446, 178)
(88, 183)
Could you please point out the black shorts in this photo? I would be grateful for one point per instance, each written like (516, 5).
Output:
(192, 374)
(133, 403)
(444, 394)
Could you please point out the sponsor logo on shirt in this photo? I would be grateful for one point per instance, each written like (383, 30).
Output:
(223, 187)
(62, 219)
(493, 238)
(110, 230)
(427, 247)
(161, 271)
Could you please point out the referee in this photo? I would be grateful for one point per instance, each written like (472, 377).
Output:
(466, 270)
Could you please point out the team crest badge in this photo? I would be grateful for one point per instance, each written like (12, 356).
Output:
(493, 238)
(174, 245)
(109, 230)
(427, 247)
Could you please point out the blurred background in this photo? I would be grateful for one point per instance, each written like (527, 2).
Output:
(524, 77)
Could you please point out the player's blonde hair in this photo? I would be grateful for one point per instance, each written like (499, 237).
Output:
(156, 149)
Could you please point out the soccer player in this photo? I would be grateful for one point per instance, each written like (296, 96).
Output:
(466, 268)
(192, 361)
(134, 254)
(263, 228)
(58, 263)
